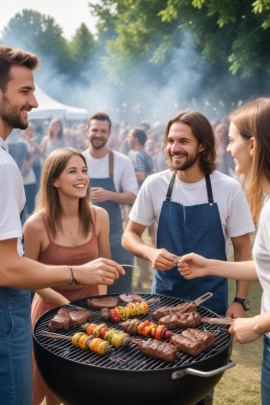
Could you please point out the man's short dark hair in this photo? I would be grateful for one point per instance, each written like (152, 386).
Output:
(139, 134)
(10, 57)
(100, 116)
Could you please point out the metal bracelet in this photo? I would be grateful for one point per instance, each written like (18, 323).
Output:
(72, 278)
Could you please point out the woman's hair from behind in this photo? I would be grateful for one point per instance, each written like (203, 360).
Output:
(253, 120)
(49, 200)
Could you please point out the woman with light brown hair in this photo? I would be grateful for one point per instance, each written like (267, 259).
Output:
(250, 147)
(54, 138)
(65, 229)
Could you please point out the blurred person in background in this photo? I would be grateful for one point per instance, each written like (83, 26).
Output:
(250, 147)
(64, 229)
(159, 159)
(17, 148)
(113, 184)
(28, 173)
(82, 141)
(54, 138)
(226, 163)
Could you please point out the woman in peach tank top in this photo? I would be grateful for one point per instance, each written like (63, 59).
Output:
(64, 229)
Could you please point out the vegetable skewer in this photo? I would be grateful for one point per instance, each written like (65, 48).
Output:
(84, 341)
(115, 337)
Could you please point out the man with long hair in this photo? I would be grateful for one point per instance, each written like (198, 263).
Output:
(194, 208)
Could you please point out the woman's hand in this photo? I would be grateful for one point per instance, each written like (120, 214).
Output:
(192, 266)
(244, 329)
(98, 271)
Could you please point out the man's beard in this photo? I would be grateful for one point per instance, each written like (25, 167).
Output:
(100, 145)
(187, 164)
(10, 115)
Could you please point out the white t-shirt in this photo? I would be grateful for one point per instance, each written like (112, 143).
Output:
(124, 176)
(261, 255)
(233, 207)
(12, 198)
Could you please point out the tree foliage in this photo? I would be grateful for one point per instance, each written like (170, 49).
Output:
(42, 35)
(235, 31)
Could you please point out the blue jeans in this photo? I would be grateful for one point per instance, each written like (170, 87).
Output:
(265, 382)
(15, 347)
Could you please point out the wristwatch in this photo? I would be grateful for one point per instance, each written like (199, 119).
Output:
(245, 303)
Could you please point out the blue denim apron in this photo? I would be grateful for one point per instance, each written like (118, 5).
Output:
(118, 253)
(185, 229)
(15, 344)
(265, 380)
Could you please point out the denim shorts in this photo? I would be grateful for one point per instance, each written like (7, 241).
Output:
(265, 382)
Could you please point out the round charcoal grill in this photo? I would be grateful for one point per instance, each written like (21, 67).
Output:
(126, 376)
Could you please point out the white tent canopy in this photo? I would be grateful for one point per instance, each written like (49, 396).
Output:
(48, 108)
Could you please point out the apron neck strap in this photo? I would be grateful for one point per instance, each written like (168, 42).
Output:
(169, 192)
(111, 163)
(209, 190)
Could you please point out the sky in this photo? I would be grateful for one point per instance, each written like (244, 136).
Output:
(69, 14)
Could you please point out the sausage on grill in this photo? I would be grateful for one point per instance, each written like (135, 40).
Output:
(183, 308)
(159, 350)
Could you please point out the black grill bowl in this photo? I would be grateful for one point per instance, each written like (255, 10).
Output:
(77, 377)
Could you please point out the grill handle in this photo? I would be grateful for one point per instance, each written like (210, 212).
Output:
(197, 373)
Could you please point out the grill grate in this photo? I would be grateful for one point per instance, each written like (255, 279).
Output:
(128, 358)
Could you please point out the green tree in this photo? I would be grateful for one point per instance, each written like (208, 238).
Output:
(225, 41)
(42, 35)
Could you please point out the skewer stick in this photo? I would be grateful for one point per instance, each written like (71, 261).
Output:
(218, 321)
(55, 335)
(129, 265)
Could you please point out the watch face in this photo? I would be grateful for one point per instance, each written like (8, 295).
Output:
(246, 305)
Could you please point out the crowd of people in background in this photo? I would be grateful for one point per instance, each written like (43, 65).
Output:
(142, 143)
(30, 148)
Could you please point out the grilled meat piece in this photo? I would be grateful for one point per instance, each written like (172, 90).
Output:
(183, 308)
(187, 345)
(126, 298)
(102, 302)
(60, 321)
(131, 326)
(159, 350)
(207, 338)
(79, 316)
(179, 320)
(68, 317)
(193, 341)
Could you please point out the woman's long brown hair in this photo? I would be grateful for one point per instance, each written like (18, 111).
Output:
(49, 200)
(253, 120)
